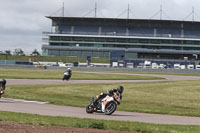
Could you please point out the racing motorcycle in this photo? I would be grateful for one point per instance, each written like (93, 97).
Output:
(2, 87)
(106, 105)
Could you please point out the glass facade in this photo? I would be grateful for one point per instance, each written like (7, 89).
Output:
(78, 53)
(114, 42)
(98, 37)
(125, 42)
(130, 55)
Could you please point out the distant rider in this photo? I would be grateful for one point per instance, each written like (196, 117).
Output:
(3, 84)
(67, 74)
(119, 89)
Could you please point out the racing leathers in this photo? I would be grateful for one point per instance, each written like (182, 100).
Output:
(103, 95)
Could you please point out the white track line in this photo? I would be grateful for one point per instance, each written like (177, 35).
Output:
(20, 100)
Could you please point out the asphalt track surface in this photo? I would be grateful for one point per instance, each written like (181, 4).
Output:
(42, 108)
(45, 81)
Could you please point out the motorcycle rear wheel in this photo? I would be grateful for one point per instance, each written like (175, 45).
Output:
(110, 108)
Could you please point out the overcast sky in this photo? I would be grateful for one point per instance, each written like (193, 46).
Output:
(23, 21)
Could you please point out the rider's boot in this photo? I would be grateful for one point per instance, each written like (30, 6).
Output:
(92, 101)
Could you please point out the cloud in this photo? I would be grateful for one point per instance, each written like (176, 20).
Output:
(23, 21)
(26, 43)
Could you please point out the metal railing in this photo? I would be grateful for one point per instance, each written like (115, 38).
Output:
(125, 34)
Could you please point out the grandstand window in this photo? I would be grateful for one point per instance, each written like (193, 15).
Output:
(70, 44)
(100, 54)
(121, 46)
(155, 41)
(176, 41)
(122, 40)
(135, 46)
(74, 53)
(85, 29)
(177, 48)
(108, 45)
(133, 40)
(95, 54)
(89, 39)
(98, 45)
(106, 54)
(100, 39)
(86, 45)
(54, 38)
(65, 53)
(45, 52)
(166, 41)
(196, 42)
(52, 44)
(188, 42)
(56, 44)
(144, 41)
(54, 52)
(131, 55)
(110, 39)
(86, 53)
(66, 38)
(77, 39)
(187, 48)
(79, 53)
(103, 54)
(59, 44)
(64, 28)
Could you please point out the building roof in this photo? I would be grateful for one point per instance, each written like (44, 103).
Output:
(123, 22)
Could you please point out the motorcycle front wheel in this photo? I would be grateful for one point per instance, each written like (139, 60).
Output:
(89, 109)
(110, 108)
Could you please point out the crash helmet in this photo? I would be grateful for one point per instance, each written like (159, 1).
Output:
(3, 81)
(68, 68)
(120, 89)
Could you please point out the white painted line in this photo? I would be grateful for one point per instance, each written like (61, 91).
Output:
(21, 100)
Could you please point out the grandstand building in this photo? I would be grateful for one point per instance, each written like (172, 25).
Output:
(127, 39)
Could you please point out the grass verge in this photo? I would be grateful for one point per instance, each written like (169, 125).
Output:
(92, 123)
(58, 74)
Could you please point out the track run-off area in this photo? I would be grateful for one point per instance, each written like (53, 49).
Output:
(42, 108)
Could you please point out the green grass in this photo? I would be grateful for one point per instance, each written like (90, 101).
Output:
(58, 74)
(159, 73)
(177, 74)
(176, 98)
(91, 123)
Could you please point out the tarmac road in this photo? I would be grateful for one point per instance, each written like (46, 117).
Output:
(34, 107)
(45, 81)
(42, 108)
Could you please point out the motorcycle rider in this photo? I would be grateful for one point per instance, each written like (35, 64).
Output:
(67, 74)
(3, 84)
(119, 89)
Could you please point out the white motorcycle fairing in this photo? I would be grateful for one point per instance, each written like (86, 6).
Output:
(106, 100)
